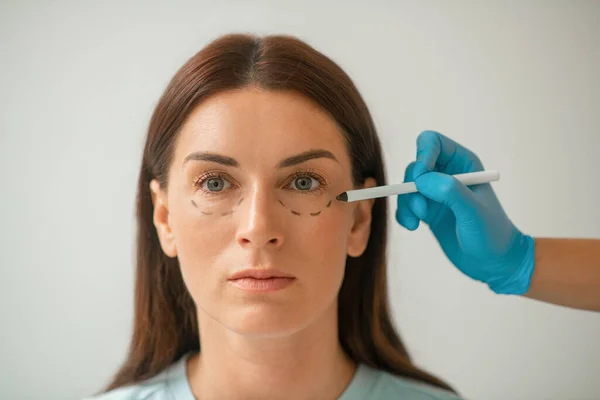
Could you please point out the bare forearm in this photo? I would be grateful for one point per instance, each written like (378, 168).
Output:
(567, 272)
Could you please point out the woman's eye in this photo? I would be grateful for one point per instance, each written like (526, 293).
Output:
(305, 183)
(216, 184)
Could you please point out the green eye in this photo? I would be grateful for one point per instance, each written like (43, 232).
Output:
(215, 184)
(305, 183)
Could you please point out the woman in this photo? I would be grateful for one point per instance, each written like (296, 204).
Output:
(252, 281)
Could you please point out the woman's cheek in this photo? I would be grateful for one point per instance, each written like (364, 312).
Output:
(197, 237)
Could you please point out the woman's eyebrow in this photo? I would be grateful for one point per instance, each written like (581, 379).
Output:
(288, 162)
(213, 157)
(305, 156)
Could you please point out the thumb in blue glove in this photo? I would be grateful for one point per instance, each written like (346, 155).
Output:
(469, 223)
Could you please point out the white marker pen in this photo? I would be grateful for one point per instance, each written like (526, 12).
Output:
(469, 178)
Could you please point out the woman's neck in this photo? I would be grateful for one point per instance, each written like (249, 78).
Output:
(305, 365)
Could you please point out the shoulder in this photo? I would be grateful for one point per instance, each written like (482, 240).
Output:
(169, 384)
(142, 391)
(391, 386)
(379, 385)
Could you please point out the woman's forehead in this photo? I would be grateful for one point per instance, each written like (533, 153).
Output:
(250, 124)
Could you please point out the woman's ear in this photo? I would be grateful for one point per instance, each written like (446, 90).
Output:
(160, 217)
(361, 227)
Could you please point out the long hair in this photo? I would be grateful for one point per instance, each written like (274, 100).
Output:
(165, 325)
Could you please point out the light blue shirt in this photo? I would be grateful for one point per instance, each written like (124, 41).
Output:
(367, 383)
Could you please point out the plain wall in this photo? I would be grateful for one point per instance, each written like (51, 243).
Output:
(517, 82)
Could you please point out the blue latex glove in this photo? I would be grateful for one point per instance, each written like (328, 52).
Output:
(468, 222)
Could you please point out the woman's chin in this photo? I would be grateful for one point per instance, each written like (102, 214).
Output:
(263, 324)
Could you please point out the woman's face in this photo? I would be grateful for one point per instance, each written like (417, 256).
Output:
(235, 167)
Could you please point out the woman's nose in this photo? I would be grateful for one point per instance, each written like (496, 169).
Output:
(260, 224)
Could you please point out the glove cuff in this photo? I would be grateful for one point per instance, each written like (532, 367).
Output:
(518, 283)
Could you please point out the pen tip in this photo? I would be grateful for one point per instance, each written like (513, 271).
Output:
(342, 197)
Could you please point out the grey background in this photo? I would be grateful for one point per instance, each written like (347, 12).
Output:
(518, 82)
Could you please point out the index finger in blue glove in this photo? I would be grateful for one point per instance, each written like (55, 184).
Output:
(412, 207)
(451, 192)
(436, 150)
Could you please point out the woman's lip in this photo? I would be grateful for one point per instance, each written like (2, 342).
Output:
(259, 273)
(262, 285)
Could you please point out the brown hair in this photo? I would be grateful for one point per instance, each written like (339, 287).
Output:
(165, 325)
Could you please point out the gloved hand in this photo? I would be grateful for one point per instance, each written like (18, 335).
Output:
(468, 222)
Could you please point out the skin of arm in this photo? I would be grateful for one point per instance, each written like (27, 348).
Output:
(567, 273)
